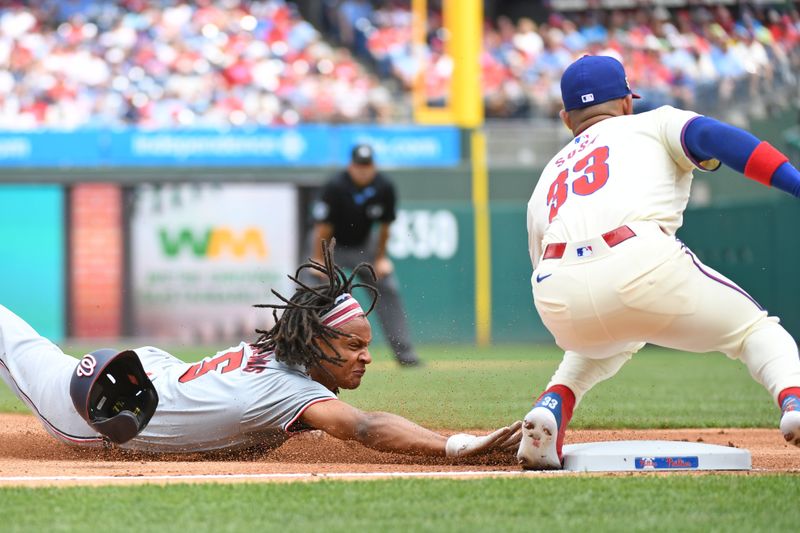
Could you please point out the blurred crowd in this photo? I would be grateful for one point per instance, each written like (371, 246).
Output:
(219, 63)
(160, 63)
(697, 57)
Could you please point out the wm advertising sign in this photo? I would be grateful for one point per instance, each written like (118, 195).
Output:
(202, 255)
(214, 243)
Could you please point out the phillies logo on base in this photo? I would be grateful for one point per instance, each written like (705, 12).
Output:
(86, 366)
(665, 463)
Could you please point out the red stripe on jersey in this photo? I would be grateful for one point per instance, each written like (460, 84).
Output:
(288, 427)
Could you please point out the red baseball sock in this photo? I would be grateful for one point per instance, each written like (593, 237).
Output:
(787, 392)
(565, 408)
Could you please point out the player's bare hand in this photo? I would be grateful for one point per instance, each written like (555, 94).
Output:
(465, 445)
(383, 267)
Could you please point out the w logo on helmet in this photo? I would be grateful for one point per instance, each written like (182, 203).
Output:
(86, 366)
(111, 391)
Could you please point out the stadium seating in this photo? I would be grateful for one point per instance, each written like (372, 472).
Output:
(231, 63)
(160, 64)
(699, 58)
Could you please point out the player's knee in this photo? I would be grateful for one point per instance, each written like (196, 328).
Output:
(766, 336)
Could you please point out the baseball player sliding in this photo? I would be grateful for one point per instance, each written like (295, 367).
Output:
(609, 274)
(251, 395)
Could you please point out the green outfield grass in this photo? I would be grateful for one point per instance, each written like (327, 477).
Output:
(598, 504)
(480, 388)
(465, 387)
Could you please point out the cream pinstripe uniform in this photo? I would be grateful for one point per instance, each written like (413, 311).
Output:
(604, 298)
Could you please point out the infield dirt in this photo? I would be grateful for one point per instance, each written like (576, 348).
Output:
(27, 452)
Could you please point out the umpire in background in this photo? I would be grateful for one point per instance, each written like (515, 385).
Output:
(348, 207)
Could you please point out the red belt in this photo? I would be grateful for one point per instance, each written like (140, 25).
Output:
(555, 250)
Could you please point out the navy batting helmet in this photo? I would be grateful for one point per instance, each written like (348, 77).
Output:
(112, 392)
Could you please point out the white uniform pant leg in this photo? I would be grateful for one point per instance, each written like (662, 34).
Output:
(728, 320)
(602, 303)
(581, 373)
(653, 289)
(770, 354)
(38, 372)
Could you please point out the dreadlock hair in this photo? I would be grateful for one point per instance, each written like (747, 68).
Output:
(292, 338)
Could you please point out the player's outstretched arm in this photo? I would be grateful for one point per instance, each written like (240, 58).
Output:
(393, 433)
(707, 138)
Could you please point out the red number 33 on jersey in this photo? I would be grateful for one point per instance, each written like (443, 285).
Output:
(593, 172)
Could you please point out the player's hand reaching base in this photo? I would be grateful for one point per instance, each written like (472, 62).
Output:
(465, 445)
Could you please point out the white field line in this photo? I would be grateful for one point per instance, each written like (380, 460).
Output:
(277, 476)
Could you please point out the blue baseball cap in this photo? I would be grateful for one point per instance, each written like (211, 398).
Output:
(593, 80)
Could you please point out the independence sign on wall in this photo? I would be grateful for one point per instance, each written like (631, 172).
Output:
(303, 146)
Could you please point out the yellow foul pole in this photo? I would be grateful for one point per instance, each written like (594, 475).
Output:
(483, 243)
(463, 20)
(423, 114)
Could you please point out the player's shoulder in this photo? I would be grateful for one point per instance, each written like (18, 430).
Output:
(295, 378)
(150, 350)
(335, 188)
(290, 371)
(337, 181)
(265, 364)
(665, 113)
(383, 181)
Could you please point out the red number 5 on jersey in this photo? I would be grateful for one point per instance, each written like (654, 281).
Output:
(594, 174)
(231, 360)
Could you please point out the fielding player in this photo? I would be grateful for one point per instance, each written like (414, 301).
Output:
(609, 274)
(247, 396)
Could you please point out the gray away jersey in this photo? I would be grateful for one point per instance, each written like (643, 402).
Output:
(233, 400)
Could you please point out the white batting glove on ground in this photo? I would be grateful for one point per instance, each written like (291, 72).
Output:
(465, 445)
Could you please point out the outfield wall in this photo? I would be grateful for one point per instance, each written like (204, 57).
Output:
(76, 263)
(101, 281)
(32, 240)
(751, 243)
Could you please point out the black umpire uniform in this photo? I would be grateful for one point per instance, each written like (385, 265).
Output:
(348, 207)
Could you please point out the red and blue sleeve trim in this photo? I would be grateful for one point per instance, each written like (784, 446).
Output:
(763, 163)
(705, 138)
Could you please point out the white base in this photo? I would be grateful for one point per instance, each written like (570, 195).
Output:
(653, 456)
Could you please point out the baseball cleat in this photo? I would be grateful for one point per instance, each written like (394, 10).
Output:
(790, 421)
(537, 450)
